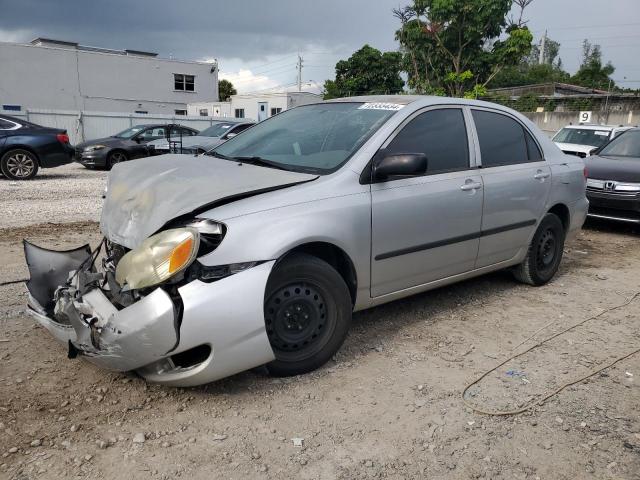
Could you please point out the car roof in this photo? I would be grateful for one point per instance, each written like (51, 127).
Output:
(421, 101)
(593, 126)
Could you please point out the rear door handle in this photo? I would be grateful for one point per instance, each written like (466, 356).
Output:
(471, 186)
(541, 175)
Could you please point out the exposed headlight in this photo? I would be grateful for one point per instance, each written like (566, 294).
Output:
(94, 148)
(158, 258)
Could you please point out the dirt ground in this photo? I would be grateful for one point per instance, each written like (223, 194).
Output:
(387, 406)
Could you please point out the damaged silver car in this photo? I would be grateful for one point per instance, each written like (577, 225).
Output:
(258, 252)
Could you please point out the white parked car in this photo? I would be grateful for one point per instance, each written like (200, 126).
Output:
(581, 140)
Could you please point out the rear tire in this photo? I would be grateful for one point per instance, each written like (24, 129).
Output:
(117, 156)
(307, 313)
(19, 164)
(544, 254)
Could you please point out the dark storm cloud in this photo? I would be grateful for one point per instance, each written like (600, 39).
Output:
(245, 33)
(199, 28)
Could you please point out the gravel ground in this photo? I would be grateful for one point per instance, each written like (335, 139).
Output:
(387, 406)
(69, 193)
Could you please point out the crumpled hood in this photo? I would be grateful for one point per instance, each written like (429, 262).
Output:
(143, 195)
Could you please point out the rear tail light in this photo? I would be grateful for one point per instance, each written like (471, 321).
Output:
(62, 137)
(585, 172)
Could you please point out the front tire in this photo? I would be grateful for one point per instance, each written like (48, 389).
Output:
(115, 157)
(307, 313)
(544, 254)
(19, 164)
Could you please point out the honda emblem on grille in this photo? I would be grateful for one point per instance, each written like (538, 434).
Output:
(609, 186)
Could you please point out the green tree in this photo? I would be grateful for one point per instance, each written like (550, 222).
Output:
(225, 90)
(459, 45)
(367, 71)
(529, 71)
(592, 73)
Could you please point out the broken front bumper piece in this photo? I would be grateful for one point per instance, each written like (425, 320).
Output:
(154, 335)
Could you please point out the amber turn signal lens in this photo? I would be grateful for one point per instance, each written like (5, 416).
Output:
(180, 255)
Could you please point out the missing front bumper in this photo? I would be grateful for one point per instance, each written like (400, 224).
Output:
(226, 316)
(80, 315)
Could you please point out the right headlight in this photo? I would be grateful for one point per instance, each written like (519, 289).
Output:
(158, 258)
(94, 148)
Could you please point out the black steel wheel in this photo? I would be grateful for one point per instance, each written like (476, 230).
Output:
(544, 254)
(307, 314)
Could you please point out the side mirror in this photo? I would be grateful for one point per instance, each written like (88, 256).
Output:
(137, 139)
(399, 165)
(230, 135)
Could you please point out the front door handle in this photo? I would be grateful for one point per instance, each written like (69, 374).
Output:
(471, 186)
(541, 175)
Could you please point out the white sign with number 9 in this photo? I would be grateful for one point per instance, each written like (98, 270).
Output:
(585, 117)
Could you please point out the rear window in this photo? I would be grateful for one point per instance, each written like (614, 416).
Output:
(582, 136)
(502, 139)
(6, 125)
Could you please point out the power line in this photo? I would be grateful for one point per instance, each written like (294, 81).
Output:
(578, 27)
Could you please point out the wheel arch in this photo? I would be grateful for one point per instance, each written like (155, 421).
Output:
(18, 146)
(334, 256)
(562, 212)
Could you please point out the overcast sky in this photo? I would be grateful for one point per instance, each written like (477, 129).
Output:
(257, 42)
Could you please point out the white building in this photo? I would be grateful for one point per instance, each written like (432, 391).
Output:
(54, 74)
(255, 106)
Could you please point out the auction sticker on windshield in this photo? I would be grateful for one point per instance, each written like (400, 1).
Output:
(380, 106)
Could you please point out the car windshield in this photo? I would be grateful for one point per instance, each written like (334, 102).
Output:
(625, 145)
(129, 132)
(216, 130)
(315, 138)
(582, 136)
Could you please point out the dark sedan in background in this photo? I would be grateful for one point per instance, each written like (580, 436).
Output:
(613, 185)
(25, 147)
(126, 145)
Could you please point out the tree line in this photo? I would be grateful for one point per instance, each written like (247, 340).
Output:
(462, 48)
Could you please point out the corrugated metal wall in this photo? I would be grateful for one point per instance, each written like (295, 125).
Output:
(82, 126)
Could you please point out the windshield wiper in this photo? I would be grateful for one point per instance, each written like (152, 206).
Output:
(261, 162)
(213, 153)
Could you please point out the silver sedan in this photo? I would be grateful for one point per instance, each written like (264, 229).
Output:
(258, 252)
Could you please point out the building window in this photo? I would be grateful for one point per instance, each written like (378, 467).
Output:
(204, 112)
(184, 83)
(239, 112)
(275, 111)
(181, 112)
(144, 112)
(13, 108)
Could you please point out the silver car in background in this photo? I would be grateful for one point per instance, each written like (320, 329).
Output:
(209, 138)
(258, 252)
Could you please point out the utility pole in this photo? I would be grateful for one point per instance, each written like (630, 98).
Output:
(543, 45)
(299, 73)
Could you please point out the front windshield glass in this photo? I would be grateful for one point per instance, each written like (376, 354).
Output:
(625, 145)
(315, 138)
(129, 132)
(216, 130)
(582, 136)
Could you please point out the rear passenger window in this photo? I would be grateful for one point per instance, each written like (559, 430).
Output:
(535, 155)
(502, 139)
(441, 135)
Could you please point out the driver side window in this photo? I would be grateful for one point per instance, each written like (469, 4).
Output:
(439, 134)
